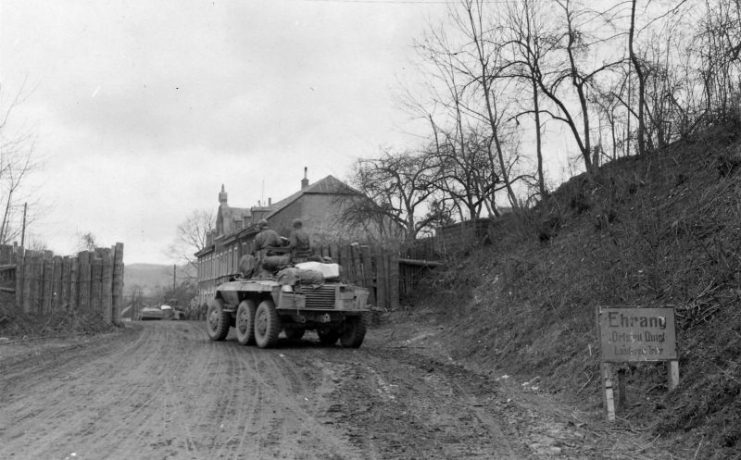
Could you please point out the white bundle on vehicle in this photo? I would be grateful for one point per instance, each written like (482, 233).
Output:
(329, 271)
(294, 275)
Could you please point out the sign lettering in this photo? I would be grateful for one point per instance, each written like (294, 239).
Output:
(637, 334)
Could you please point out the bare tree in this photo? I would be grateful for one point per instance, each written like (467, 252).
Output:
(525, 36)
(641, 79)
(464, 173)
(86, 242)
(398, 190)
(470, 109)
(719, 52)
(192, 235)
(486, 71)
(16, 163)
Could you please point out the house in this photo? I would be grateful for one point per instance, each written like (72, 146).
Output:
(318, 205)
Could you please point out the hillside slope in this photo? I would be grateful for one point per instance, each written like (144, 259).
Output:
(657, 231)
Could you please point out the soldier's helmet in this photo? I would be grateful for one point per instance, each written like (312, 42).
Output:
(297, 223)
(262, 223)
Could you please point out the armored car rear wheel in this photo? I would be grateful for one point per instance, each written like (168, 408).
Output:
(353, 332)
(267, 324)
(245, 322)
(217, 320)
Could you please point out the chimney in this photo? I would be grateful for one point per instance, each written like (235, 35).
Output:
(305, 180)
(270, 201)
(222, 196)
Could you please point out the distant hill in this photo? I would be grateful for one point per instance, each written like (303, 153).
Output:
(153, 277)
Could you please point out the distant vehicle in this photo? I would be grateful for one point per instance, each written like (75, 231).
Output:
(171, 313)
(151, 313)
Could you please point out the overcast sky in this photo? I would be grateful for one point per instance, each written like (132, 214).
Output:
(142, 109)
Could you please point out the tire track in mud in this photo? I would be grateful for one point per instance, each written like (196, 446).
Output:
(111, 414)
(147, 425)
(43, 385)
(411, 408)
(109, 410)
(282, 422)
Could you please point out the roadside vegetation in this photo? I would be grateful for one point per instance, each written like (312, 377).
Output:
(661, 230)
(640, 104)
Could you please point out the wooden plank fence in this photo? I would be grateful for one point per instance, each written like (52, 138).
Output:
(372, 267)
(44, 283)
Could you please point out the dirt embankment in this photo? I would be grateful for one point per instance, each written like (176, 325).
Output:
(162, 390)
(661, 230)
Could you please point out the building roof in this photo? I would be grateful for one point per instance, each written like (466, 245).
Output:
(330, 185)
(232, 218)
(234, 223)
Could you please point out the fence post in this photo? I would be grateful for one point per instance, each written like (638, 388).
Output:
(334, 252)
(346, 263)
(65, 297)
(368, 274)
(38, 283)
(74, 284)
(358, 271)
(381, 277)
(118, 274)
(96, 283)
(394, 278)
(47, 294)
(84, 284)
(56, 301)
(107, 286)
(20, 279)
(27, 282)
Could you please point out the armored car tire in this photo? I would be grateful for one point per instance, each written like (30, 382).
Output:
(245, 322)
(217, 320)
(267, 324)
(353, 331)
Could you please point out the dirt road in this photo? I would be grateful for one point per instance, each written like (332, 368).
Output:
(162, 390)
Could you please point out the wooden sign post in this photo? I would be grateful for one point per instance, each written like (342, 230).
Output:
(635, 335)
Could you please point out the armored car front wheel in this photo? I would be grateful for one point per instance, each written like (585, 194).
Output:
(217, 320)
(353, 331)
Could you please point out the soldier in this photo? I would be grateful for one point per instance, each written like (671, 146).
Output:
(247, 265)
(299, 242)
(267, 238)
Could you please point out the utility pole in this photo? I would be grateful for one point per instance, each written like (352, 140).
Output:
(174, 277)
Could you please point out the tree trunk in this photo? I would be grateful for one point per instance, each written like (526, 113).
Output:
(641, 81)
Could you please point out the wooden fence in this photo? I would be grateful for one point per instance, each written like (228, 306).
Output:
(43, 283)
(373, 267)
